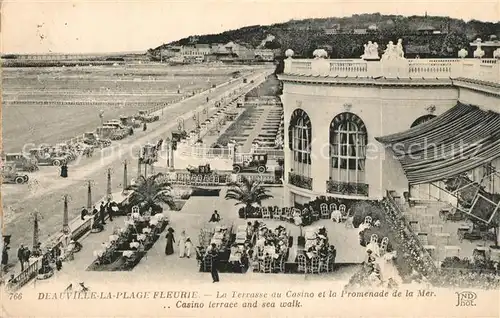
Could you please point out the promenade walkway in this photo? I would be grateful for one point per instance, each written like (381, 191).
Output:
(46, 197)
(257, 129)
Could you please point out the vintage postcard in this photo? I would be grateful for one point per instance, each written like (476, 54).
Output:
(250, 158)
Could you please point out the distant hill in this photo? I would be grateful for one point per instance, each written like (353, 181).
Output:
(304, 36)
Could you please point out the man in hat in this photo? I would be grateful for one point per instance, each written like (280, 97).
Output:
(20, 256)
(215, 262)
(84, 213)
(102, 211)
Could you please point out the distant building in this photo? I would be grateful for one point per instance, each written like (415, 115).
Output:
(264, 54)
(333, 29)
(426, 30)
(359, 31)
(417, 51)
(373, 28)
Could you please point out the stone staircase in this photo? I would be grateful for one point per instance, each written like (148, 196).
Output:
(438, 237)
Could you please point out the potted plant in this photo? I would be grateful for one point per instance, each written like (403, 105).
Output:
(248, 193)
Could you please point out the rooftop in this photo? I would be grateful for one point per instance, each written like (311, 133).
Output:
(395, 70)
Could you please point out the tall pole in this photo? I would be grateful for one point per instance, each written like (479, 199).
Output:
(89, 195)
(36, 231)
(125, 181)
(139, 166)
(66, 230)
(108, 190)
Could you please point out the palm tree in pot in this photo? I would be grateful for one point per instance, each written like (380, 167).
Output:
(151, 192)
(247, 193)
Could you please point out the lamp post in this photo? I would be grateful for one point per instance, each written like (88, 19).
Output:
(89, 194)
(139, 166)
(125, 180)
(35, 217)
(66, 230)
(108, 186)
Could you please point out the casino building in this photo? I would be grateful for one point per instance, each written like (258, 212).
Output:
(355, 129)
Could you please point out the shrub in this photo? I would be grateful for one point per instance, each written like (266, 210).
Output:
(362, 209)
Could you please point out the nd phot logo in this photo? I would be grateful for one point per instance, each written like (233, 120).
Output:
(466, 299)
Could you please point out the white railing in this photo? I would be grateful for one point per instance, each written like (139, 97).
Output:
(487, 70)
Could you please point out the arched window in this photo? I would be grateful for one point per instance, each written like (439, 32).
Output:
(422, 119)
(299, 141)
(348, 139)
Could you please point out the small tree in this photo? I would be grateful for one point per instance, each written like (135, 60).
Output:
(151, 191)
(362, 209)
(247, 193)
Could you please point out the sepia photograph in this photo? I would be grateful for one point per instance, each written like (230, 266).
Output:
(204, 158)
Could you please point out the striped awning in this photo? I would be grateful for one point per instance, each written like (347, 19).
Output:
(461, 139)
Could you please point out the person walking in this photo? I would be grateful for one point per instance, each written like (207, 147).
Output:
(169, 248)
(182, 244)
(110, 211)
(144, 126)
(84, 213)
(20, 256)
(189, 245)
(102, 211)
(215, 263)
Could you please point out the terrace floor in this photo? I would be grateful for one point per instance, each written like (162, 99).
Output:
(193, 217)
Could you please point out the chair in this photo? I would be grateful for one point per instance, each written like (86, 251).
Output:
(368, 220)
(260, 252)
(314, 266)
(323, 208)
(305, 211)
(325, 266)
(374, 239)
(315, 214)
(266, 265)
(333, 207)
(265, 213)
(285, 214)
(276, 214)
(302, 263)
(383, 245)
(207, 263)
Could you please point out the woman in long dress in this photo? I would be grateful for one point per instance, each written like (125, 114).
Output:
(182, 244)
(169, 248)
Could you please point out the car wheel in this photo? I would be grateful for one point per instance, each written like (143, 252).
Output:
(236, 169)
(56, 163)
(19, 180)
(261, 169)
(25, 178)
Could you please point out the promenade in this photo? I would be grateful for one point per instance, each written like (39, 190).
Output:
(45, 193)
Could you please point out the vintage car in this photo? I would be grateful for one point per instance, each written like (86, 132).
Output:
(129, 121)
(91, 138)
(21, 162)
(10, 174)
(44, 157)
(250, 163)
(145, 117)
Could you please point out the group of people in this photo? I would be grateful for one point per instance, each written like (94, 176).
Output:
(184, 243)
(319, 246)
(110, 208)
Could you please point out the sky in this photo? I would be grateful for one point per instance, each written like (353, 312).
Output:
(91, 26)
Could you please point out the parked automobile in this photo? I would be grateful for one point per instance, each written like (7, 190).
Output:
(21, 162)
(10, 174)
(250, 163)
(44, 157)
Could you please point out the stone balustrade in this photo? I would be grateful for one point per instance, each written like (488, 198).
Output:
(487, 70)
